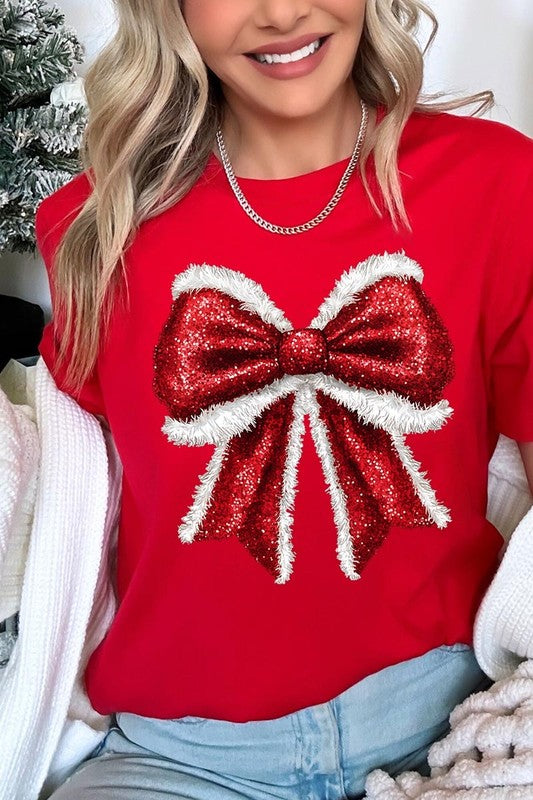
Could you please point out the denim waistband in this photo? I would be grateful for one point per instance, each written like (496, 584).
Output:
(388, 720)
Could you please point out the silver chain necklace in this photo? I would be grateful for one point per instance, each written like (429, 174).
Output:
(269, 226)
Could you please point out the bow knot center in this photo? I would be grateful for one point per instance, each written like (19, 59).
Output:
(303, 351)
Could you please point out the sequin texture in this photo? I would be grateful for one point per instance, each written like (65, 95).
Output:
(303, 352)
(231, 373)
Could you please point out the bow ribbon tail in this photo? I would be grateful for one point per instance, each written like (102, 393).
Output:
(248, 490)
(373, 483)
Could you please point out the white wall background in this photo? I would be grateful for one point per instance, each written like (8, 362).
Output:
(481, 44)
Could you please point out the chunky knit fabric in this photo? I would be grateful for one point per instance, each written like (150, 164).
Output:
(42, 708)
(487, 755)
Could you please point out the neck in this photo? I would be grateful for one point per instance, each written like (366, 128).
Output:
(272, 148)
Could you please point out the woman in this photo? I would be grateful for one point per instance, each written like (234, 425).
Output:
(305, 384)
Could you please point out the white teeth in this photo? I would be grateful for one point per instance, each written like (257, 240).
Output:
(284, 58)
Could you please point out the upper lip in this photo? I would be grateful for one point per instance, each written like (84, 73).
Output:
(288, 47)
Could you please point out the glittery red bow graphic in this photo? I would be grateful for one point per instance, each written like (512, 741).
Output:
(369, 369)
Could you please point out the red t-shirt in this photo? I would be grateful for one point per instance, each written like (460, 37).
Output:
(340, 524)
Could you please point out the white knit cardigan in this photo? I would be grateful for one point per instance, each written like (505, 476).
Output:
(67, 597)
(59, 507)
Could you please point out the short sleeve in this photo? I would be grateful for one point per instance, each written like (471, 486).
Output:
(509, 314)
(52, 219)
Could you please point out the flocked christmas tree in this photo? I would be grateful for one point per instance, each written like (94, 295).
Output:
(42, 113)
(42, 119)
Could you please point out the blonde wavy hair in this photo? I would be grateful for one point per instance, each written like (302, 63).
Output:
(154, 108)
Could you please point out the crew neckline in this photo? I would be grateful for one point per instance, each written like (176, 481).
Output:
(215, 167)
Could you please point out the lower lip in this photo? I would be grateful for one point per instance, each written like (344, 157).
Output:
(292, 69)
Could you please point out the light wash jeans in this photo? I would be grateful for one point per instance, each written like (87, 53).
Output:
(322, 752)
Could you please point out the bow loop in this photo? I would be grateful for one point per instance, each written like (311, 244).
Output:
(390, 338)
(211, 350)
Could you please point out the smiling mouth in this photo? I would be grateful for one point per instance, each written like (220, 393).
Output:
(254, 56)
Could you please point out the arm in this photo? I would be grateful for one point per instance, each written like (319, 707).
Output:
(526, 451)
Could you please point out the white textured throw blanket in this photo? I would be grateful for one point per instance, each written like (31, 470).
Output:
(487, 755)
(488, 752)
